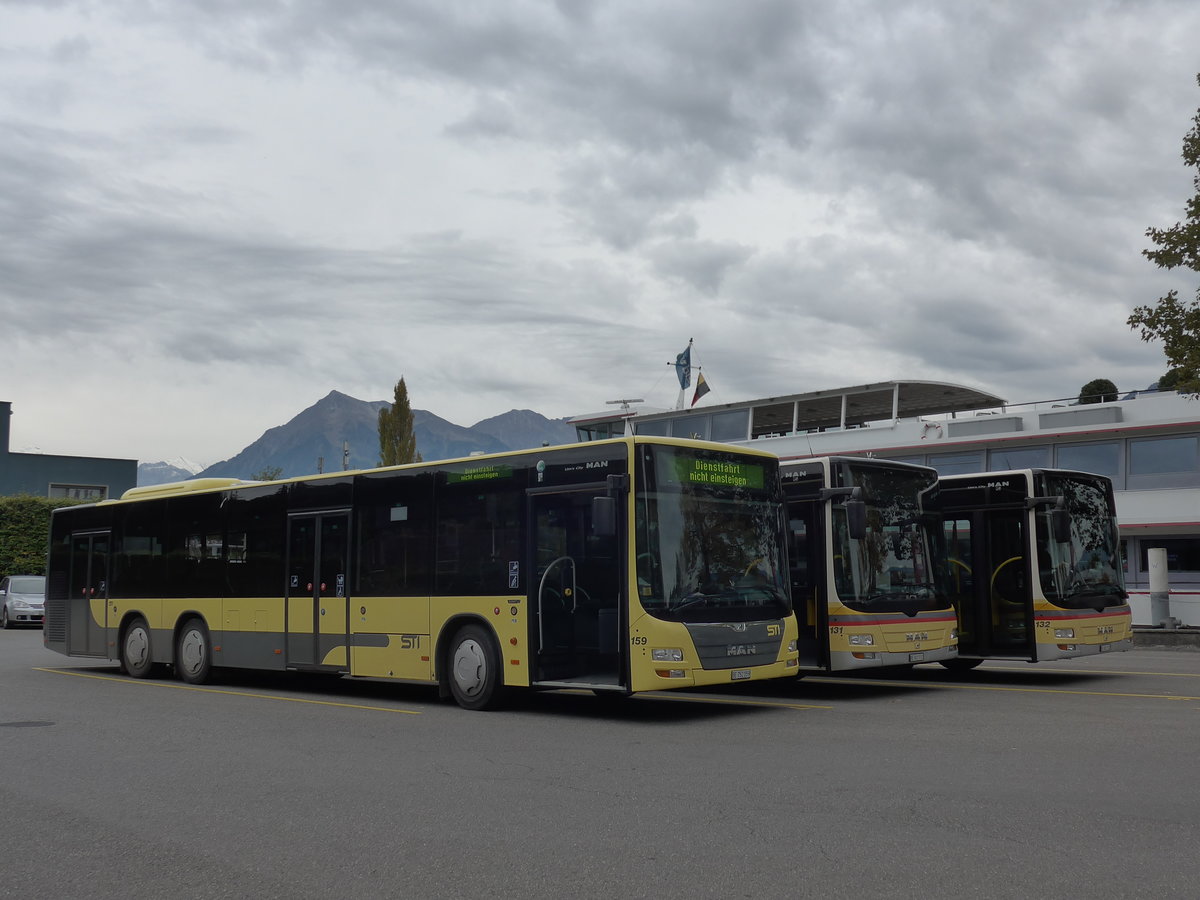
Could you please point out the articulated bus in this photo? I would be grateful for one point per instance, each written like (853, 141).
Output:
(615, 566)
(1035, 568)
(865, 554)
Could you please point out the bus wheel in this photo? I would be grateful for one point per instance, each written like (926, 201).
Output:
(193, 657)
(960, 665)
(474, 669)
(136, 659)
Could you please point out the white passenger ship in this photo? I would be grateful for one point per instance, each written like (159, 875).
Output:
(1147, 442)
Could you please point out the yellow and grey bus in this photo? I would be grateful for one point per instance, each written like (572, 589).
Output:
(866, 549)
(1035, 567)
(616, 566)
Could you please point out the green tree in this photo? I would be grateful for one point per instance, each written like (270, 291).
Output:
(1098, 390)
(397, 440)
(267, 473)
(1175, 323)
(25, 532)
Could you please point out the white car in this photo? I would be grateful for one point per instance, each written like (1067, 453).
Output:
(22, 600)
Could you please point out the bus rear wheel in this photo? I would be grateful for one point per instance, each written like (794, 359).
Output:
(193, 656)
(474, 669)
(136, 658)
(960, 665)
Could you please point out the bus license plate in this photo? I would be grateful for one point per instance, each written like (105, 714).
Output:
(1104, 647)
(741, 674)
(916, 657)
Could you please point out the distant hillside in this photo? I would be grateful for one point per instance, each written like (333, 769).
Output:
(320, 431)
(166, 471)
(520, 428)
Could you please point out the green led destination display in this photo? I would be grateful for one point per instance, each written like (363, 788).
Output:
(718, 472)
(479, 473)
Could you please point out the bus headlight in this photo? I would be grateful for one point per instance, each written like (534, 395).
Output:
(954, 634)
(791, 647)
(862, 640)
(669, 655)
(1064, 633)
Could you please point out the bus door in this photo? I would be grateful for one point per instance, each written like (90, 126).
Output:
(808, 573)
(87, 596)
(317, 607)
(575, 594)
(990, 584)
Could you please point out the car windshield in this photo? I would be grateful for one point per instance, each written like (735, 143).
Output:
(1085, 571)
(29, 584)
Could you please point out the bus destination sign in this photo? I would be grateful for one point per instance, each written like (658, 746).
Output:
(479, 473)
(718, 472)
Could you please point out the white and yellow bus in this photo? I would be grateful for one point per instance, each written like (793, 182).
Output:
(1035, 568)
(865, 553)
(617, 566)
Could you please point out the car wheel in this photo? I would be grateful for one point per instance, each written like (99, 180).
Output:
(193, 653)
(474, 669)
(136, 658)
(4, 617)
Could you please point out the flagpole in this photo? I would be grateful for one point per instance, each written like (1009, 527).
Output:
(683, 371)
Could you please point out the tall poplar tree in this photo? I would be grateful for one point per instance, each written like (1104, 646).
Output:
(397, 441)
(1175, 323)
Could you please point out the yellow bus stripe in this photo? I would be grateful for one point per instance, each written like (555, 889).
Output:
(204, 690)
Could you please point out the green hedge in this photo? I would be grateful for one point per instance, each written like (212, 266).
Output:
(25, 533)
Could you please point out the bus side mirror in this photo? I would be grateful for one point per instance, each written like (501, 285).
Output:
(604, 516)
(1060, 524)
(856, 519)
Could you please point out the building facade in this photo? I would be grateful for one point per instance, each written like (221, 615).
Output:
(48, 475)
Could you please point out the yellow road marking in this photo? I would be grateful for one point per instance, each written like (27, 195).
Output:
(1088, 671)
(685, 698)
(996, 687)
(204, 690)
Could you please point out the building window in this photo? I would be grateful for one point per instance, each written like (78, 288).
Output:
(1163, 456)
(731, 426)
(1019, 458)
(693, 427)
(1183, 554)
(956, 463)
(1099, 459)
(79, 491)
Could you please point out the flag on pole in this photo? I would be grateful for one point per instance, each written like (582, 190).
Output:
(701, 387)
(683, 367)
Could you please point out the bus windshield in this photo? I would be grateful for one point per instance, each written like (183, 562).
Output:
(709, 536)
(892, 568)
(1084, 572)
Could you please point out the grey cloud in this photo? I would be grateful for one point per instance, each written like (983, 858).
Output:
(701, 264)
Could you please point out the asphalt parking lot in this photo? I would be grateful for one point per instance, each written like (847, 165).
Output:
(1062, 780)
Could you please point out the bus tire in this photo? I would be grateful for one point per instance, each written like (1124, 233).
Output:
(136, 657)
(960, 665)
(473, 668)
(193, 652)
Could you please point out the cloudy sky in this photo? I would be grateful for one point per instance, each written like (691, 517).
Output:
(214, 213)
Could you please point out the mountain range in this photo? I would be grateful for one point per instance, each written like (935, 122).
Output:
(339, 431)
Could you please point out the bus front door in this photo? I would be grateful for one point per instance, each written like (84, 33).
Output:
(575, 594)
(317, 606)
(990, 583)
(87, 597)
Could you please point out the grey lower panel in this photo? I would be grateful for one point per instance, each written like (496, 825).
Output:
(736, 645)
(249, 649)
